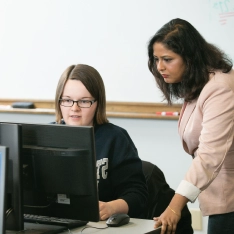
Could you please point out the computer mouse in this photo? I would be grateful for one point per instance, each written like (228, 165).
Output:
(117, 220)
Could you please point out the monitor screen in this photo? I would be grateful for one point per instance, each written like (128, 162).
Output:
(10, 136)
(3, 176)
(59, 171)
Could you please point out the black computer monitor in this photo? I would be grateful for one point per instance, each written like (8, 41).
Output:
(3, 177)
(59, 171)
(10, 136)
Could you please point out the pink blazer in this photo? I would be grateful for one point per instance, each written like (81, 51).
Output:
(206, 128)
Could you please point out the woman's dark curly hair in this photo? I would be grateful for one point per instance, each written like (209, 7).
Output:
(200, 57)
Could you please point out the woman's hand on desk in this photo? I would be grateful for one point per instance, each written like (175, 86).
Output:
(106, 209)
(171, 216)
(168, 220)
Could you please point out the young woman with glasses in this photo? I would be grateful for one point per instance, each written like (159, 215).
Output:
(81, 101)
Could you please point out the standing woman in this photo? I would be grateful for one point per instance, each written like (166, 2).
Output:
(81, 101)
(187, 67)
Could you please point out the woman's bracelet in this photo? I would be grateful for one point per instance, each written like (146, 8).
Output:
(173, 211)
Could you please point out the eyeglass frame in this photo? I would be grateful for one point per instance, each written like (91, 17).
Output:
(77, 102)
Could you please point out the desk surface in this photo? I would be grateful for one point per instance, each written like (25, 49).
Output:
(135, 226)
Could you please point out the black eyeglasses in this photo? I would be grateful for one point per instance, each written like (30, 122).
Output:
(80, 103)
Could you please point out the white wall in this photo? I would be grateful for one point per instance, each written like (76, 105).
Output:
(157, 141)
(40, 38)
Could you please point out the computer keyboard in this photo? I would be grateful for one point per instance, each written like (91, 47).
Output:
(69, 223)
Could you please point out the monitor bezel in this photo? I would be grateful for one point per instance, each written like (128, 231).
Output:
(3, 181)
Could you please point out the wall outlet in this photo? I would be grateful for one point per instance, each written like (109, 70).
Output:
(196, 219)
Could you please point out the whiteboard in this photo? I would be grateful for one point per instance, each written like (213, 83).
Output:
(40, 38)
